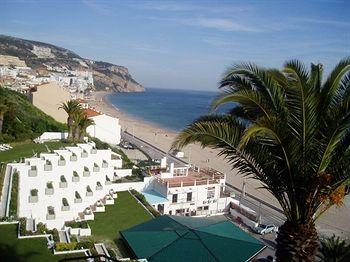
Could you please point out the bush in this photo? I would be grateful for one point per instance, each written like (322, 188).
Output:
(41, 228)
(55, 235)
(22, 226)
(77, 224)
(85, 245)
(65, 246)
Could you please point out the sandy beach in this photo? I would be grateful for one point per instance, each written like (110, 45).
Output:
(163, 138)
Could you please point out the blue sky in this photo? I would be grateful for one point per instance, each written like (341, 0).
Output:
(186, 44)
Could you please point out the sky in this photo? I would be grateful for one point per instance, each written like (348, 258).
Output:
(186, 44)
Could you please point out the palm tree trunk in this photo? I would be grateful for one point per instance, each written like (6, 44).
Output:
(297, 242)
(70, 128)
(76, 131)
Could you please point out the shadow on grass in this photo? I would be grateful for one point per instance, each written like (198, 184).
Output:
(122, 248)
(9, 253)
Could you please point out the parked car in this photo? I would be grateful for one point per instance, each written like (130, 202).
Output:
(265, 229)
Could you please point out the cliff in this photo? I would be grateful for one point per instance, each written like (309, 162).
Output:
(38, 55)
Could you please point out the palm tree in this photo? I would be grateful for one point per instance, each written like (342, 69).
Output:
(334, 249)
(291, 131)
(84, 123)
(71, 107)
(77, 118)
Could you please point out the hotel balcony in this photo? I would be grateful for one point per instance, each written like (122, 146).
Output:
(104, 164)
(65, 205)
(73, 157)
(49, 191)
(48, 166)
(77, 198)
(88, 191)
(99, 186)
(33, 199)
(86, 172)
(96, 168)
(84, 154)
(75, 177)
(61, 162)
(33, 171)
(50, 214)
(93, 151)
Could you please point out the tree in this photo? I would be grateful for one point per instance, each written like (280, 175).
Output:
(334, 249)
(77, 118)
(84, 123)
(71, 107)
(291, 131)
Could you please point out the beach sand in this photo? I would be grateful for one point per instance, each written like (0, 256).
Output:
(163, 138)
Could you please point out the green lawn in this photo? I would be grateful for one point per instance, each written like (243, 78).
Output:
(18, 250)
(125, 213)
(25, 149)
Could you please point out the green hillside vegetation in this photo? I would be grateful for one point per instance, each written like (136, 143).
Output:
(22, 120)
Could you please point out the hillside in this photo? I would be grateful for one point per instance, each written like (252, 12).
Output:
(36, 54)
(22, 120)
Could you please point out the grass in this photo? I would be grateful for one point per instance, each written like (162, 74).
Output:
(25, 149)
(29, 250)
(125, 213)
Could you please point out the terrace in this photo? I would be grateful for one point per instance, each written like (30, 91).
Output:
(203, 177)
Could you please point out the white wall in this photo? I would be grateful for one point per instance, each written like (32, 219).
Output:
(106, 128)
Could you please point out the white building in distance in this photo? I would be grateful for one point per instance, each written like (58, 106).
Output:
(106, 128)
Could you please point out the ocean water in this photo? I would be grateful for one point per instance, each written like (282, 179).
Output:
(172, 109)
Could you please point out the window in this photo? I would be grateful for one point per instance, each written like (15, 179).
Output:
(189, 197)
(199, 208)
(206, 207)
(175, 198)
(211, 192)
(170, 212)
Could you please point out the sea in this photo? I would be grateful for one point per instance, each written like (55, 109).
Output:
(168, 108)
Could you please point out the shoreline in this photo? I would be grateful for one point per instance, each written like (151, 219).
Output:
(163, 138)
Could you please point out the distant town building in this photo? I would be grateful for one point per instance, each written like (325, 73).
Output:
(48, 98)
(106, 128)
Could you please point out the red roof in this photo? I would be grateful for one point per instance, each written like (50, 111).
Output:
(91, 113)
(81, 101)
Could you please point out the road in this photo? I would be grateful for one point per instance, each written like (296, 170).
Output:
(269, 213)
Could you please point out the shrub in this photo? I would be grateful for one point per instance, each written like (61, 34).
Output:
(65, 246)
(55, 235)
(77, 224)
(22, 226)
(41, 228)
(49, 185)
(34, 192)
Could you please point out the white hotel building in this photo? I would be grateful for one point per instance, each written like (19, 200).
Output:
(187, 192)
(74, 182)
(68, 184)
